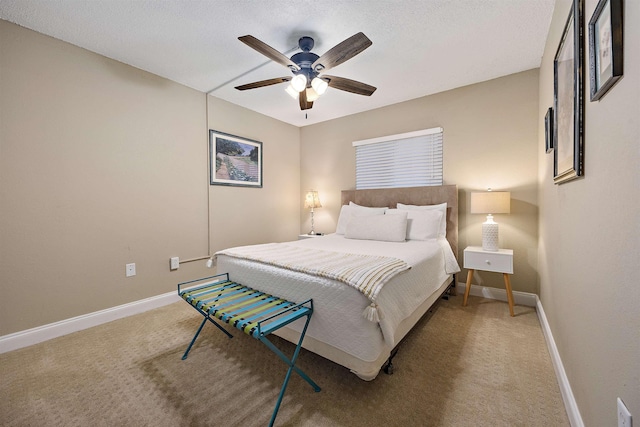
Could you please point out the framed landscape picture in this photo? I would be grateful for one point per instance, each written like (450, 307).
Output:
(605, 47)
(548, 131)
(568, 100)
(234, 160)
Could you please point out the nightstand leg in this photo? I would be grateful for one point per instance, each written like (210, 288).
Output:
(507, 284)
(466, 291)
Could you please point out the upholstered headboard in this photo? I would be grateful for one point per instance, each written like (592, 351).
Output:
(389, 197)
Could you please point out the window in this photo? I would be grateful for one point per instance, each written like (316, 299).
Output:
(406, 160)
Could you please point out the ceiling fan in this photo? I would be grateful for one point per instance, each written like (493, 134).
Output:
(306, 83)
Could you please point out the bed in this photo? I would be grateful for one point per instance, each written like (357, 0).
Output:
(349, 327)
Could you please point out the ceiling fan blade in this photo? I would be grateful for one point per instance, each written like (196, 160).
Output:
(268, 51)
(304, 104)
(342, 52)
(349, 85)
(263, 83)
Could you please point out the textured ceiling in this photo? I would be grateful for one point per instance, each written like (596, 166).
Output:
(420, 47)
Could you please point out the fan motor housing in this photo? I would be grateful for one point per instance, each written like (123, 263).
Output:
(304, 60)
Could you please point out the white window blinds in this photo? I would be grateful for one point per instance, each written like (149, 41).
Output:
(406, 160)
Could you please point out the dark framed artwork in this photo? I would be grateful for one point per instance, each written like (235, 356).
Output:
(234, 160)
(568, 100)
(605, 47)
(548, 130)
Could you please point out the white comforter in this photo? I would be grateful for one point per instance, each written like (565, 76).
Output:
(337, 318)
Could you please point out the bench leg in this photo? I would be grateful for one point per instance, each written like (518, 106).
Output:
(292, 367)
(186, 353)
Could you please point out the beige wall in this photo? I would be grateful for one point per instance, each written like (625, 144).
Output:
(243, 216)
(490, 140)
(102, 164)
(590, 236)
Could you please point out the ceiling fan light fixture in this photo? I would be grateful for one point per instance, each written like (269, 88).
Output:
(306, 67)
(291, 91)
(312, 95)
(299, 82)
(319, 86)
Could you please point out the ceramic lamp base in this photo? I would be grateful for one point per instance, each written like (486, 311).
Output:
(490, 236)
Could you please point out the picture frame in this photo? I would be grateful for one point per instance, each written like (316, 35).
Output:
(568, 100)
(548, 131)
(605, 47)
(234, 160)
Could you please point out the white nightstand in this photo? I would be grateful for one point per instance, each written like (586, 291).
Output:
(308, 236)
(500, 261)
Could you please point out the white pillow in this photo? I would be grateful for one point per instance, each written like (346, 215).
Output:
(421, 224)
(347, 211)
(360, 208)
(441, 207)
(387, 228)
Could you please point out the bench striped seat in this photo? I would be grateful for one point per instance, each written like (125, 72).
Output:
(255, 313)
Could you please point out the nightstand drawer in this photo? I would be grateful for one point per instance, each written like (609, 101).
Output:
(500, 261)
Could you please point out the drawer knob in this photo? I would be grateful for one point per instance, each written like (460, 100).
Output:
(487, 261)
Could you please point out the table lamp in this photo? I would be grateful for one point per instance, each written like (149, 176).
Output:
(312, 201)
(490, 202)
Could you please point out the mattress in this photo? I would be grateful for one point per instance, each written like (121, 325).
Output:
(337, 321)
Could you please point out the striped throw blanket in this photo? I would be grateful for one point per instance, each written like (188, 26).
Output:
(366, 273)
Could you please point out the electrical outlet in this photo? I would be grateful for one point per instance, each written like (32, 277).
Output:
(174, 263)
(624, 416)
(130, 269)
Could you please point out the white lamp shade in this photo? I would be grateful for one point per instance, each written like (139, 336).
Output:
(319, 85)
(299, 82)
(312, 95)
(491, 202)
(311, 200)
(292, 92)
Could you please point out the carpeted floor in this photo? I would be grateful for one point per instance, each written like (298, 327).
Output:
(460, 366)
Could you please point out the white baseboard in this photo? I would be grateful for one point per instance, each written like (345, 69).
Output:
(521, 298)
(565, 388)
(53, 330)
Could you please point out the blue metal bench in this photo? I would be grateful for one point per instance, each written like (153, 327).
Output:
(255, 313)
